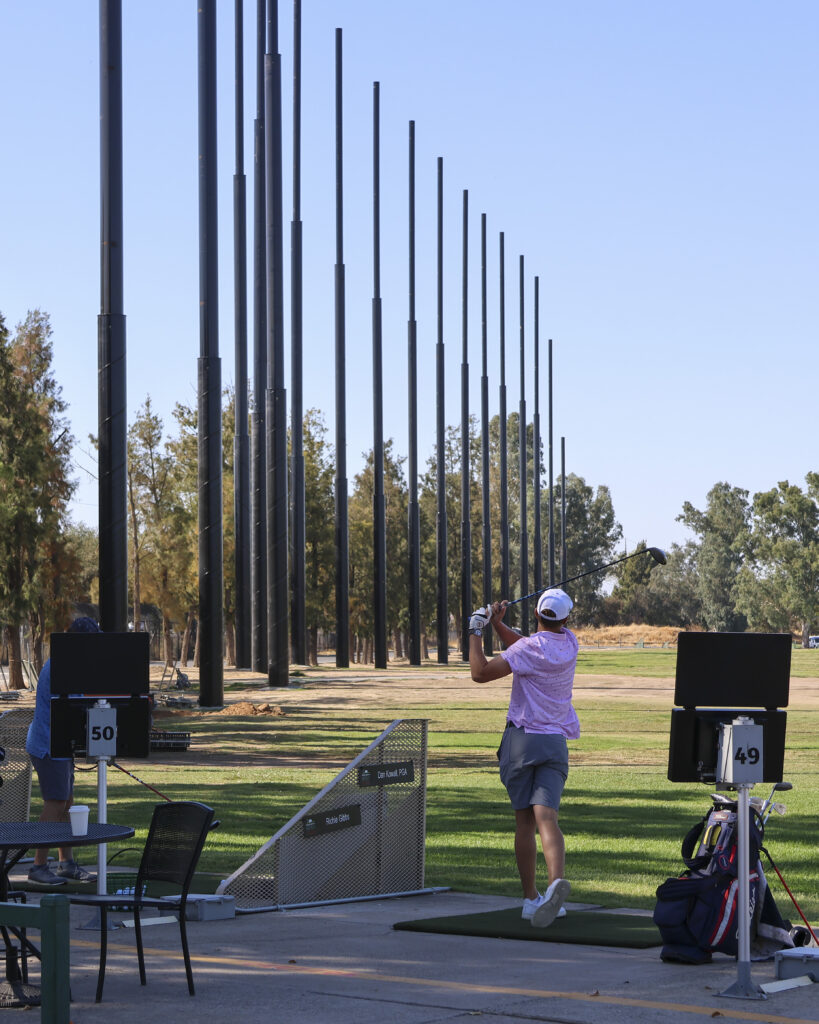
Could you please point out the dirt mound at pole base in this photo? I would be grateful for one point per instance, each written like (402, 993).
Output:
(247, 707)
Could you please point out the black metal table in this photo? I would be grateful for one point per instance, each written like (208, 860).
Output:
(16, 837)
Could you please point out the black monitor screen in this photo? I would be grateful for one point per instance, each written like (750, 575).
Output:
(68, 726)
(740, 670)
(102, 664)
(693, 752)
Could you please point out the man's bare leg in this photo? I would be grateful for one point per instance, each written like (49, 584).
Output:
(551, 839)
(53, 810)
(526, 851)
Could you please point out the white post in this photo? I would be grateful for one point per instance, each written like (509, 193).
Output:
(740, 760)
(101, 746)
(102, 818)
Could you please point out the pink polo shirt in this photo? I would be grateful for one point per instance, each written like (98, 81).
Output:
(542, 676)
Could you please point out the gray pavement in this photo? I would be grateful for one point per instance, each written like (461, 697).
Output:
(346, 965)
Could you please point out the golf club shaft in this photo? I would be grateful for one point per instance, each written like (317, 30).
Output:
(580, 575)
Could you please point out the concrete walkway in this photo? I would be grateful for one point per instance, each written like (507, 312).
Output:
(346, 965)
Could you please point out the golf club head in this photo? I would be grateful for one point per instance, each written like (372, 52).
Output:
(658, 555)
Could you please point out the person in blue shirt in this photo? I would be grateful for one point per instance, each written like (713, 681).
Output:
(56, 778)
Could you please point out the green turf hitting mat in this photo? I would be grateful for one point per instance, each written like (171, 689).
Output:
(582, 927)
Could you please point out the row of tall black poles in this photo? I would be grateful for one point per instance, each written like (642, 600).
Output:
(261, 464)
(113, 553)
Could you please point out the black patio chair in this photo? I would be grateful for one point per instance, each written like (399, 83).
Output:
(175, 840)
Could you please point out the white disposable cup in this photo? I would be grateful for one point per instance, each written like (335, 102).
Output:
(79, 819)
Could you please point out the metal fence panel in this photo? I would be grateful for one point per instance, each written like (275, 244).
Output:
(15, 770)
(362, 835)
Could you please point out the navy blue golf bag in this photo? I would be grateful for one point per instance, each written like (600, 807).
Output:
(697, 912)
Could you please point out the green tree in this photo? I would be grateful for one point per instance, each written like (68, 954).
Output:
(658, 595)
(164, 552)
(319, 512)
(361, 549)
(82, 542)
(785, 552)
(428, 514)
(35, 484)
(229, 523)
(630, 589)
(592, 535)
(184, 448)
(672, 595)
(724, 530)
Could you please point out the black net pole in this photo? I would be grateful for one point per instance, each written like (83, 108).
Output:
(341, 509)
(258, 415)
(278, 640)
(563, 560)
(551, 485)
(241, 439)
(379, 509)
(297, 492)
(466, 530)
(504, 469)
(111, 367)
(442, 614)
(522, 470)
(211, 619)
(413, 512)
(485, 506)
(538, 560)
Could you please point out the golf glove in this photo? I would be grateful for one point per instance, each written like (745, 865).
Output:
(479, 620)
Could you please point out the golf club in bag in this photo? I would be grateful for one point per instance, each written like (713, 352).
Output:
(696, 911)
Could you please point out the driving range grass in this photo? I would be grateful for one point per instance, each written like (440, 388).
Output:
(623, 820)
(658, 662)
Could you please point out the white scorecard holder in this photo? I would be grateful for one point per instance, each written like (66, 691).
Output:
(101, 726)
(740, 766)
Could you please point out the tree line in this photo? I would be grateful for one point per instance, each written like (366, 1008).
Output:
(753, 562)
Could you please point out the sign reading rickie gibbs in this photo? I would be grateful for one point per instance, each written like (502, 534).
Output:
(332, 821)
(386, 774)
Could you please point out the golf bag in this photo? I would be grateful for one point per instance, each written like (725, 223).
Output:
(697, 911)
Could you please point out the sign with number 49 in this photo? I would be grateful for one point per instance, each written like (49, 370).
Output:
(740, 752)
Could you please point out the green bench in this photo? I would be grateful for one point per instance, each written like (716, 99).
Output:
(51, 917)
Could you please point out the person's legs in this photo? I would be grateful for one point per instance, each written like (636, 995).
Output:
(554, 853)
(551, 839)
(53, 810)
(526, 851)
(56, 778)
(533, 769)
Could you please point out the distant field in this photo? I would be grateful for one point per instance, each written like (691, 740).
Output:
(659, 661)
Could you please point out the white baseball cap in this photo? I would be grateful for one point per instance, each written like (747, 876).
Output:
(554, 604)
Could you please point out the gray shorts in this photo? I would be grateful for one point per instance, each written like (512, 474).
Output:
(533, 768)
(56, 777)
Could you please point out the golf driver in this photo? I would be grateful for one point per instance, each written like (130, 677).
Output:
(657, 554)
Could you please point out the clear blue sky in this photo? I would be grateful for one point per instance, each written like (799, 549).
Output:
(655, 163)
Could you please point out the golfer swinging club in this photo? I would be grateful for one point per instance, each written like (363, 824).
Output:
(533, 755)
